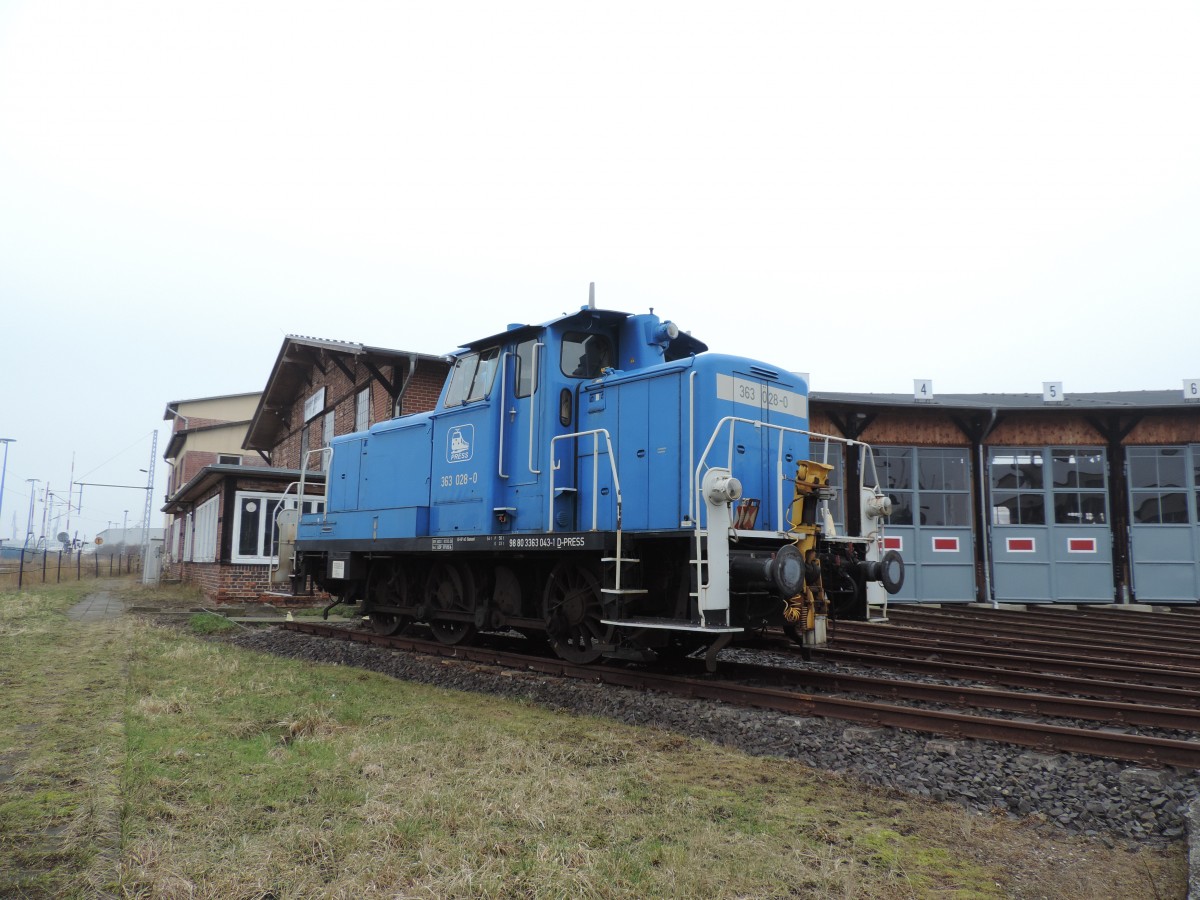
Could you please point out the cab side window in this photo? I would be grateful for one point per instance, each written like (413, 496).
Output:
(525, 351)
(585, 355)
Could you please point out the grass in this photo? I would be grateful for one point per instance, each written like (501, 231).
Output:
(142, 761)
(210, 623)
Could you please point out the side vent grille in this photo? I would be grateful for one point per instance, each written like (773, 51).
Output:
(764, 373)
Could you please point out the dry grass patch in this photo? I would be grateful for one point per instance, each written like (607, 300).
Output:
(60, 730)
(250, 776)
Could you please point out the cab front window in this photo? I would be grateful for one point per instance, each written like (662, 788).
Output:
(472, 376)
(585, 355)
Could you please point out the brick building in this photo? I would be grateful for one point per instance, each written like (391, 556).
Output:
(316, 389)
(205, 431)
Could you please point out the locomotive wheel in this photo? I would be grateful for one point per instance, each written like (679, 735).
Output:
(450, 588)
(387, 586)
(573, 607)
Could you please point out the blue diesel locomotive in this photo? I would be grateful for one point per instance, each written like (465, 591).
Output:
(602, 483)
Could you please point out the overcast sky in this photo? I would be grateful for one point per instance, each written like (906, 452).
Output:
(988, 195)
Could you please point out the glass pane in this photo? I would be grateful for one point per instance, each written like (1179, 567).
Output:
(1145, 509)
(1093, 509)
(1063, 462)
(481, 384)
(1004, 509)
(955, 474)
(1033, 509)
(249, 511)
(1091, 470)
(1171, 471)
(1143, 469)
(929, 470)
(525, 368)
(902, 513)
(461, 378)
(958, 510)
(1174, 508)
(1019, 469)
(1066, 509)
(584, 355)
(894, 465)
(269, 530)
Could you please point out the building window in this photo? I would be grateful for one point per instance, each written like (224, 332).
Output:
(204, 531)
(228, 459)
(944, 486)
(255, 535)
(1079, 491)
(1018, 487)
(188, 532)
(927, 485)
(1158, 485)
(304, 439)
(362, 410)
(330, 421)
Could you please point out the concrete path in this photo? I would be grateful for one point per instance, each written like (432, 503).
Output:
(96, 607)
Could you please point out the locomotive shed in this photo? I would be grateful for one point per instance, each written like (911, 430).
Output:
(1076, 791)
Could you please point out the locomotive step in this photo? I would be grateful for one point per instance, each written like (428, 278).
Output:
(624, 591)
(620, 559)
(672, 625)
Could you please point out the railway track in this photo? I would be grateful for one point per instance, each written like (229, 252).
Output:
(1040, 735)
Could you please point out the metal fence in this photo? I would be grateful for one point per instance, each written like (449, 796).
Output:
(55, 566)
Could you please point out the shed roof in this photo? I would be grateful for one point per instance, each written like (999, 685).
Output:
(1112, 401)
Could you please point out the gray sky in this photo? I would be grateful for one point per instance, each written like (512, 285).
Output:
(987, 195)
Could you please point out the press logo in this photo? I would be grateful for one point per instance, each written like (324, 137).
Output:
(459, 442)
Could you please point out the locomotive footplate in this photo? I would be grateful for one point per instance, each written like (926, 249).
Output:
(672, 625)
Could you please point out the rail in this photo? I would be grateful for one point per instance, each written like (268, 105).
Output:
(959, 725)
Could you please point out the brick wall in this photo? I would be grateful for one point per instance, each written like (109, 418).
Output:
(423, 390)
(243, 584)
(341, 395)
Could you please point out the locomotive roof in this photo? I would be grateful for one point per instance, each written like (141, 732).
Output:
(682, 346)
(520, 332)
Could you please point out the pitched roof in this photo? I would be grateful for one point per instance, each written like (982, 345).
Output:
(289, 375)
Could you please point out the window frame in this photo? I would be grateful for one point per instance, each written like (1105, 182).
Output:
(204, 531)
(267, 500)
(362, 409)
(1158, 491)
(585, 340)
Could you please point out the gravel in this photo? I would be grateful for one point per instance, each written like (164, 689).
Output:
(1080, 794)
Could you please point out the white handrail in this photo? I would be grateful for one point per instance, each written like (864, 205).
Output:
(533, 390)
(326, 464)
(273, 560)
(697, 473)
(503, 394)
(612, 465)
